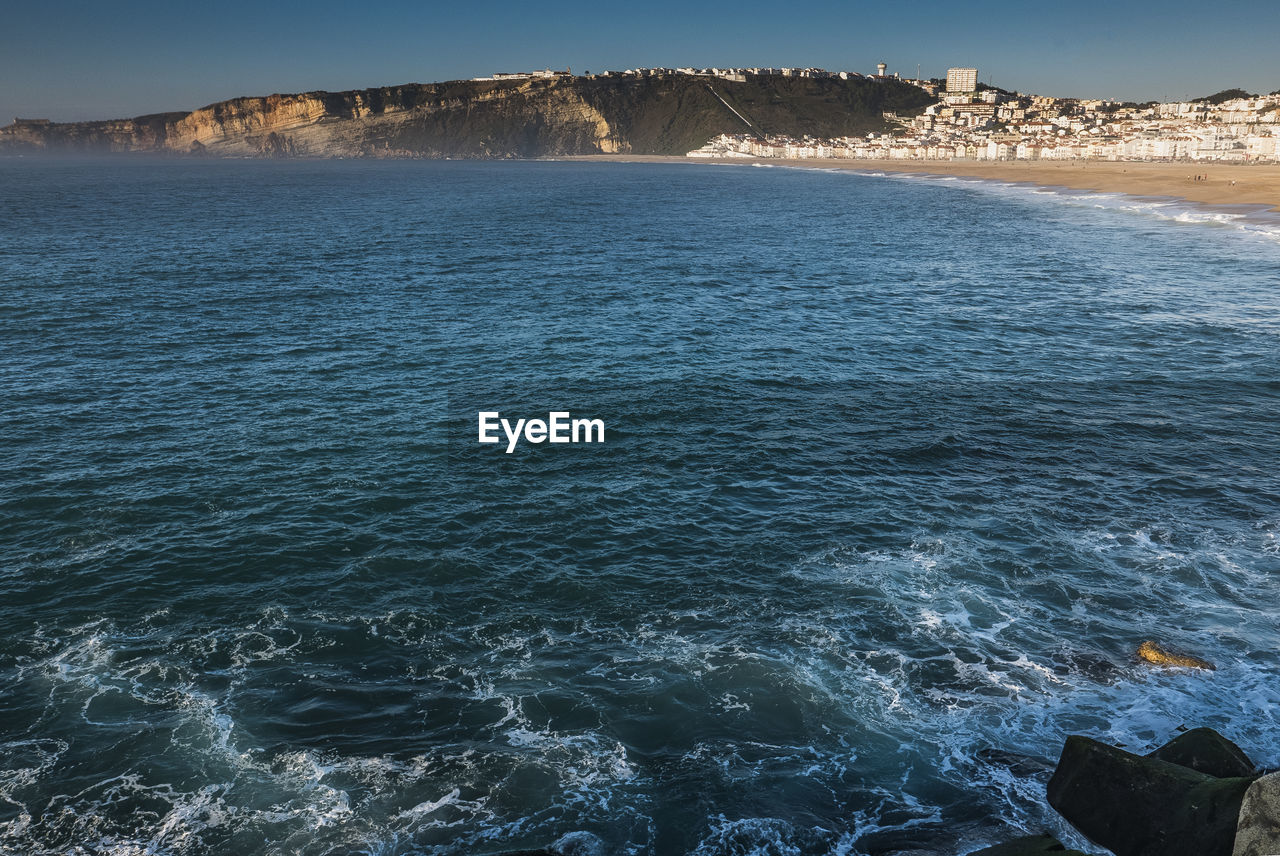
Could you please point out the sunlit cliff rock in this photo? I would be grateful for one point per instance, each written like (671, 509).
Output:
(668, 114)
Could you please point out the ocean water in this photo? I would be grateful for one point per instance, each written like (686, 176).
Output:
(897, 474)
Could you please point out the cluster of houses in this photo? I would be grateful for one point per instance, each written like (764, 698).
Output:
(968, 124)
(735, 74)
(972, 122)
(1029, 127)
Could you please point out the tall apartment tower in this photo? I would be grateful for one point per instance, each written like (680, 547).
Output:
(962, 79)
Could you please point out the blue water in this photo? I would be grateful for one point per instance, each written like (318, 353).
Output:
(897, 474)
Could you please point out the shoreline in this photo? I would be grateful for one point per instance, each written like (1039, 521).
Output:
(1223, 184)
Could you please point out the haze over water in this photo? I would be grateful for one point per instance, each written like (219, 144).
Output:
(897, 474)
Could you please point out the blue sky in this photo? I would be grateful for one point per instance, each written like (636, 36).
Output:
(77, 60)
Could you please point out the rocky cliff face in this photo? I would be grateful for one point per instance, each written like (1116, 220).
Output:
(488, 119)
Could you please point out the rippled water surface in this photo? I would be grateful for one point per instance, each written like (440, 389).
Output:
(897, 474)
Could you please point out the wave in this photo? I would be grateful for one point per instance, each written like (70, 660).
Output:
(924, 681)
(1254, 220)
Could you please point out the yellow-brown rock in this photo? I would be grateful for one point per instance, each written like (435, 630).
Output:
(1151, 652)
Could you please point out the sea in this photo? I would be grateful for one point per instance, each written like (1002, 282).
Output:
(896, 473)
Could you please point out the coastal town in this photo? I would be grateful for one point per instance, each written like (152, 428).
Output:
(972, 122)
(753, 112)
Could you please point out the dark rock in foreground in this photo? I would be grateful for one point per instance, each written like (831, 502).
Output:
(1136, 806)
(1258, 831)
(1206, 751)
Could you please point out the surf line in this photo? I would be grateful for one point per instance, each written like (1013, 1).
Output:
(558, 427)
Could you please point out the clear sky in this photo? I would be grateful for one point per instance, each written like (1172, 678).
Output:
(93, 60)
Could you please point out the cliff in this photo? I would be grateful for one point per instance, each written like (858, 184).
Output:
(667, 114)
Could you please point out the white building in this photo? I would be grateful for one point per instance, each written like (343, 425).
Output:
(962, 79)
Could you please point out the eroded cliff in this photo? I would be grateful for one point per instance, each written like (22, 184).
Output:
(669, 114)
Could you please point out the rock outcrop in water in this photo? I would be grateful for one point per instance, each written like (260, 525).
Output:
(1197, 795)
(1158, 655)
(1144, 806)
(664, 114)
(1206, 751)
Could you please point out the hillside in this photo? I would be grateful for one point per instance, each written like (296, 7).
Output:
(667, 114)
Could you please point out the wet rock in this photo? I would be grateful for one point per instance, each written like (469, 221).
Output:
(1258, 829)
(1157, 655)
(1032, 845)
(1206, 751)
(1022, 766)
(1089, 664)
(1136, 806)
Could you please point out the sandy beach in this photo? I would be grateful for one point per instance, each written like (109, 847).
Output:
(1220, 184)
